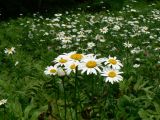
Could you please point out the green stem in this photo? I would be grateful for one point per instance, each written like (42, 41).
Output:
(93, 92)
(4, 113)
(79, 95)
(93, 85)
(65, 102)
(71, 110)
(76, 75)
(101, 86)
(57, 97)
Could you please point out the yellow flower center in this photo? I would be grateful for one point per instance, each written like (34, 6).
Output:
(53, 71)
(91, 64)
(66, 38)
(76, 56)
(62, 60)
(73, 66)
(10, 50)
(112, 61)
(112, 74)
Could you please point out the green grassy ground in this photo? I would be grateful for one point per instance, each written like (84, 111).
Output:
(132, 35)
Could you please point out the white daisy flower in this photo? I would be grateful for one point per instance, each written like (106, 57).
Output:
(51, 70)
(66, 39)
(112, 75)
(9, 50)
(136, 50)
(3, 101)
(90, 56)
(127, 45)
(100, 38)
(90, 65)
(61, 60)
(104, 30)
(113, 62)
(58, 14)
(91, 45)
(136, 65)
(70, 67)
(116, 28)
(75, 56)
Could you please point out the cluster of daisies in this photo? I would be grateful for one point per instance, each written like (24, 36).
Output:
(69, 63)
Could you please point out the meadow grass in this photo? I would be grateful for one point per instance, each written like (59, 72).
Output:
(131, 34)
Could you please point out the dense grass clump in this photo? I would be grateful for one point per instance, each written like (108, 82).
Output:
(38, 80)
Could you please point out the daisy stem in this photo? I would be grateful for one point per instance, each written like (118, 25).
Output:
(70, 110)
(58, 108)
(93, 85)
(93, 92)
(65, 107)
(68, 104)
(101, 88)
(76, 75)
(4, 113)
(127, 57)
(79, 96)
(57, 97)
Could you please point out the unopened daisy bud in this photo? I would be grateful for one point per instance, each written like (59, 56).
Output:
(16, 63)
(61, 72)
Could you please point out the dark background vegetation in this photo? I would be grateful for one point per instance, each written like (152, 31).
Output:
(12, 8)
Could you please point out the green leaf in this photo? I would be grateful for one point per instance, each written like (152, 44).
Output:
(36, 113)
(157, 107)
(27, 111)
(140, 85)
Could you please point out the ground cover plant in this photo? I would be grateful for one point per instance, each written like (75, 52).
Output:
(82, 66)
